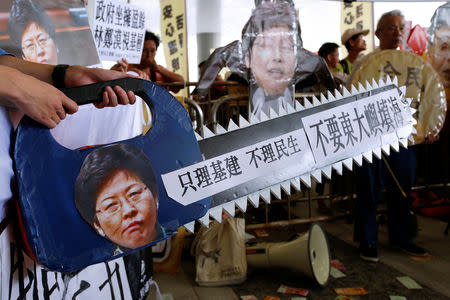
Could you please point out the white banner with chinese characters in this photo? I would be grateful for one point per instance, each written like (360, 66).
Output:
(118, 29)
(339, 133)
(198, 181)
(173, 35)
(358, 15)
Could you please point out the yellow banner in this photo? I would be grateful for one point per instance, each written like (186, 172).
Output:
(174, 35)
(358, 15)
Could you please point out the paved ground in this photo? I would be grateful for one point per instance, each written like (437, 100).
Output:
(379, 280)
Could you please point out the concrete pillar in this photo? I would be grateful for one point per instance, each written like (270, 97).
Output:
(209, 22)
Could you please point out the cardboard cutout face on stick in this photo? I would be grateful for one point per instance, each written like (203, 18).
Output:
(270, 58)
(269, 41)
(439, 43)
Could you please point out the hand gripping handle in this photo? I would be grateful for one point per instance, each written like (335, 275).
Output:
(92, 93)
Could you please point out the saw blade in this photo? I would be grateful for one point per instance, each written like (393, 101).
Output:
(330, 133)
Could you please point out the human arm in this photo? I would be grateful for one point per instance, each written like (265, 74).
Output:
(168, 75)
(121, 66)
(39, 100)
(75, 75)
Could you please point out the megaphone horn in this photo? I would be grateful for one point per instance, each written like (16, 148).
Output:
(308, 254)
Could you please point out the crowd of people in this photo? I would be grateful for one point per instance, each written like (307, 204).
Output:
(30, 87)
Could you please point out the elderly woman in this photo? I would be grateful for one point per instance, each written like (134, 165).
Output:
(116, 192)
(32, 31)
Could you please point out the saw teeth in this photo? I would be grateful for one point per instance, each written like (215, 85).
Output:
(190, 226)
(306, 179)
(396, 146)
(345, 92)
(414, 130)
(354, 90)
(377, 152)
(330, 96)
(368, 156)
(289, 108)
(338, 167)
(317, 175)
(326, 171)
(207, 133)
(368, 86)
(316, 101)
(337, 95)
(296, 183)
(282, 111)
(263, 117)
(254, 199)
(404, 142)
(243, 122)
(386, 149)
(253, 119)
(395, 80)
(388, 80)
(358, 159)
(307, 104)
(220, 129)
(272, 114)
(205, 220)
(381, 83)
(361, 88)
(374, 83)
(229, 208)
(232, 126)
(409, 100)
(216, 213)
(298, 106)
(198, 136)
(412, 110)
(348, 163)
(241, 203)
(276, 191)
(411, 139)
(265, 195)
(323, 99)
(286, 186)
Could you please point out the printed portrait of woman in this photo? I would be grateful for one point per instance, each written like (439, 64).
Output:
(269, 43)
(117, 194)
(33, 32)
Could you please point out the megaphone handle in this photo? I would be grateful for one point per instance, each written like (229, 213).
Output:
(92, 93)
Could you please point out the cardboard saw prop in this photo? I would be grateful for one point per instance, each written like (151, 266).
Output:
(65, 203)
(233, 165)
(84, 206)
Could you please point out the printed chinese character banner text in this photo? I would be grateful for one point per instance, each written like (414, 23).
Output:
(358, 15)
(118, 29)
(173, 35)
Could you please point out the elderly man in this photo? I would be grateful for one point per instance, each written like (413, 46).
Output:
(354, 42)
(371, 178)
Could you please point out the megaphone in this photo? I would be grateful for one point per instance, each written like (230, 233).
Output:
(308, 254)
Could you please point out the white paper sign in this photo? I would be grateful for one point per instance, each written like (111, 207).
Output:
(22, 278)
(119, 30)
(212, 176)
(356, 127)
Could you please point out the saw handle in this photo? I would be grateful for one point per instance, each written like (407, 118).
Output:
(93, 93)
